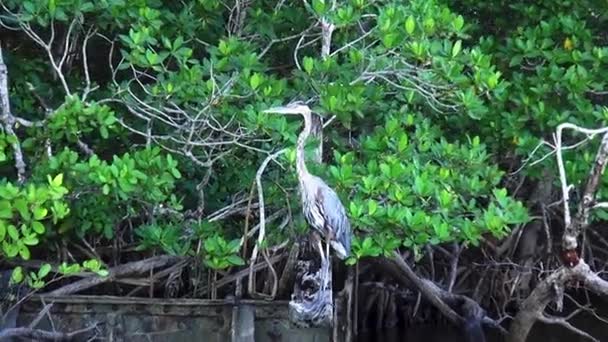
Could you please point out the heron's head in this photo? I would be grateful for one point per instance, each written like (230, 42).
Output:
(297, 108)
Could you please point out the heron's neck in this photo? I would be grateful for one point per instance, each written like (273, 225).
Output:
(300, 155)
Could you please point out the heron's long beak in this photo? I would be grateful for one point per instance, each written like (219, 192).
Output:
(282, 110)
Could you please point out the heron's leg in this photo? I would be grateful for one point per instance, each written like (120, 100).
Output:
(317, 242)
(328, 237)
(327, 244)
(320, 245)
(324, 265)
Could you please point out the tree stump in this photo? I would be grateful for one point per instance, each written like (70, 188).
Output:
(311, 303)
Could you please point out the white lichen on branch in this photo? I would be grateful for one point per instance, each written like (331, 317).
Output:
(8, 120)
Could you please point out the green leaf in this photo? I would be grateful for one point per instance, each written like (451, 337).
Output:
(152, 57)
(367, 243)
(255, 81)
(103, 273)
(351, 261)
(38, 227)
(9, 191)
(235, 260)
(459, 23)
(103, 131)
(66, 269)
(308, 64)
(389, 39)
(234, 246)
(40, 213)
(176, 173)
(87, 7)
(403, 143)
(372, 207)
(456, 48)
(52, 7)
(30, 240)
(92, 264)
(13, 232)
(318, 6)
(17, 275)
(44, 270)
(58, 180)
(24, 252)
(6, 211)
(22, 206)
(211, 245)
(410, 25)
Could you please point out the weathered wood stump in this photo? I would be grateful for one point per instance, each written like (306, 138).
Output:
(311, 303)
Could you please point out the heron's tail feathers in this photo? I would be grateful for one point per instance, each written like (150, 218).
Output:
(341, 251)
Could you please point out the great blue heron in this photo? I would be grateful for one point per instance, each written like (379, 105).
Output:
(321, 205)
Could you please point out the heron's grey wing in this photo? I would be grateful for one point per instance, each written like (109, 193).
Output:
(329, 205)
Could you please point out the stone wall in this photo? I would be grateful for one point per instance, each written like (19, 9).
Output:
(159, 320)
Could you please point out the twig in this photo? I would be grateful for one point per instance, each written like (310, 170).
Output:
(564, 323)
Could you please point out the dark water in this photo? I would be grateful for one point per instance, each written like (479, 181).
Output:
(426, 334)
(540, 333)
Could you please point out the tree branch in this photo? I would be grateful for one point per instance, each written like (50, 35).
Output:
(9, 120)
(552, 287)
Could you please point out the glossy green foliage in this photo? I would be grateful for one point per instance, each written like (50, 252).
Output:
(130, 185)
(411, 187)
(167, 237)
(27, 212)
(221, 254)
(428, 98)
(553, 56)
(75, 119)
